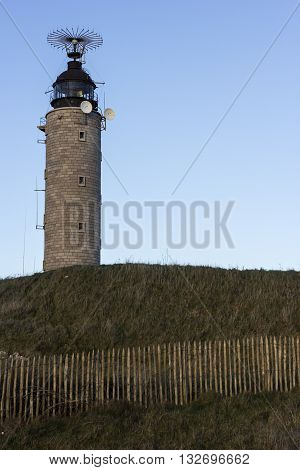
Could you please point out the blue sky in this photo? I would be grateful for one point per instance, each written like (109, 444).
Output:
(171, 70)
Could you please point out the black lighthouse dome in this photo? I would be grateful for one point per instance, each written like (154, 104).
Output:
(73, 86)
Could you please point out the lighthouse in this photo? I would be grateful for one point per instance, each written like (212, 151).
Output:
(73, 130)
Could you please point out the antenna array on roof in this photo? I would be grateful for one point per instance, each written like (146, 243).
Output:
(75, 42)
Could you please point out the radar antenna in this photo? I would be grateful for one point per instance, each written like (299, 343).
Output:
(75, 42)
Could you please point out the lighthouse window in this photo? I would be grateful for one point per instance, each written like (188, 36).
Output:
(81, 227)
(82, 136)
(81, 180)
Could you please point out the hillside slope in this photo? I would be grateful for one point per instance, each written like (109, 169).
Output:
(135, 304)
(244, 422)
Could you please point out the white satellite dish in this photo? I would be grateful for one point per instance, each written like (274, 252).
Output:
(109, 114)
(86, 107)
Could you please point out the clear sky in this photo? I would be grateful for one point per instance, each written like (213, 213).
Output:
(172, 69)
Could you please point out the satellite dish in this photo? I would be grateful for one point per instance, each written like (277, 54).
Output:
(109, 114)
(86, 107)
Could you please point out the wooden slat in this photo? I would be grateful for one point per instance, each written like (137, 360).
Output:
(200, 367)
(189, 366)
(180, 374)
(175, 374)
(3, 395)
(234, 348)
(92, 379)
(31, 409)
(280, 364)
(159, 374)
(239, 364)
(108, 375)
(123, 374)
(66, 370)
(21, 391)
(128, 375)
(26, 388)
(134, 372)
(113, 363)
(102, 375)
(293, 362)
(54, 385)
(38, 387)
(205, 367)
(195, 377)
(225, 368)
(285, 364)
(97, 381)
(49, 391)
(71, 388)
(210, 367)
(154, 374)
(150, 374)
(140, 381)
(298, 358)
(275, 362)
(16, 368)
(118, 374)
(165, 369)
(215, 370)
(258, 364)
(60, 374)
(244, 371)
(170, 373)
(220, 367)
(268, 370)
(8, 388)
(290, 386)
(253, 381)
(82, 388)
(77, 383)
(87, 388)
(145, 378)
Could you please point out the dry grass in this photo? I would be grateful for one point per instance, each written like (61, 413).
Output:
(245, 422)
(137, 304)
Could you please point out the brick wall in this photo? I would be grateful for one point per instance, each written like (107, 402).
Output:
(73, 150)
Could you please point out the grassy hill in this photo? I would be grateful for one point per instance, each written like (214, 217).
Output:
(83, 308)
(131, 304)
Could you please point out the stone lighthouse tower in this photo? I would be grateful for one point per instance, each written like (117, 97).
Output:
(73, 159)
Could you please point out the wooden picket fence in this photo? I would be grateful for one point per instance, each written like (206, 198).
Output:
(171, 373)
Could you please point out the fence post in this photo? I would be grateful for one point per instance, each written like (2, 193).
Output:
(150, 374)
(123, 374)
(118, 374)
(128, 374)
(195, 370)
(71, 385)
(140, 376)
(215, 371)
(21, 389)
(165, 392)
(294, 362)
(220, 367)
(190, 381)
(225, 369)
(298, 358)
(3, 396)
(134, 375)
(113, 362)
(32, 388)
(180, 374)
(145, 377)
(159, 373)
(200, 367)
(108, 376)
(14, 387)
(205, 366)
(210, 367)
(26, 388)
(175, 373)
(284, 365)
(77, 382)
(103, 376)
(280, 363)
